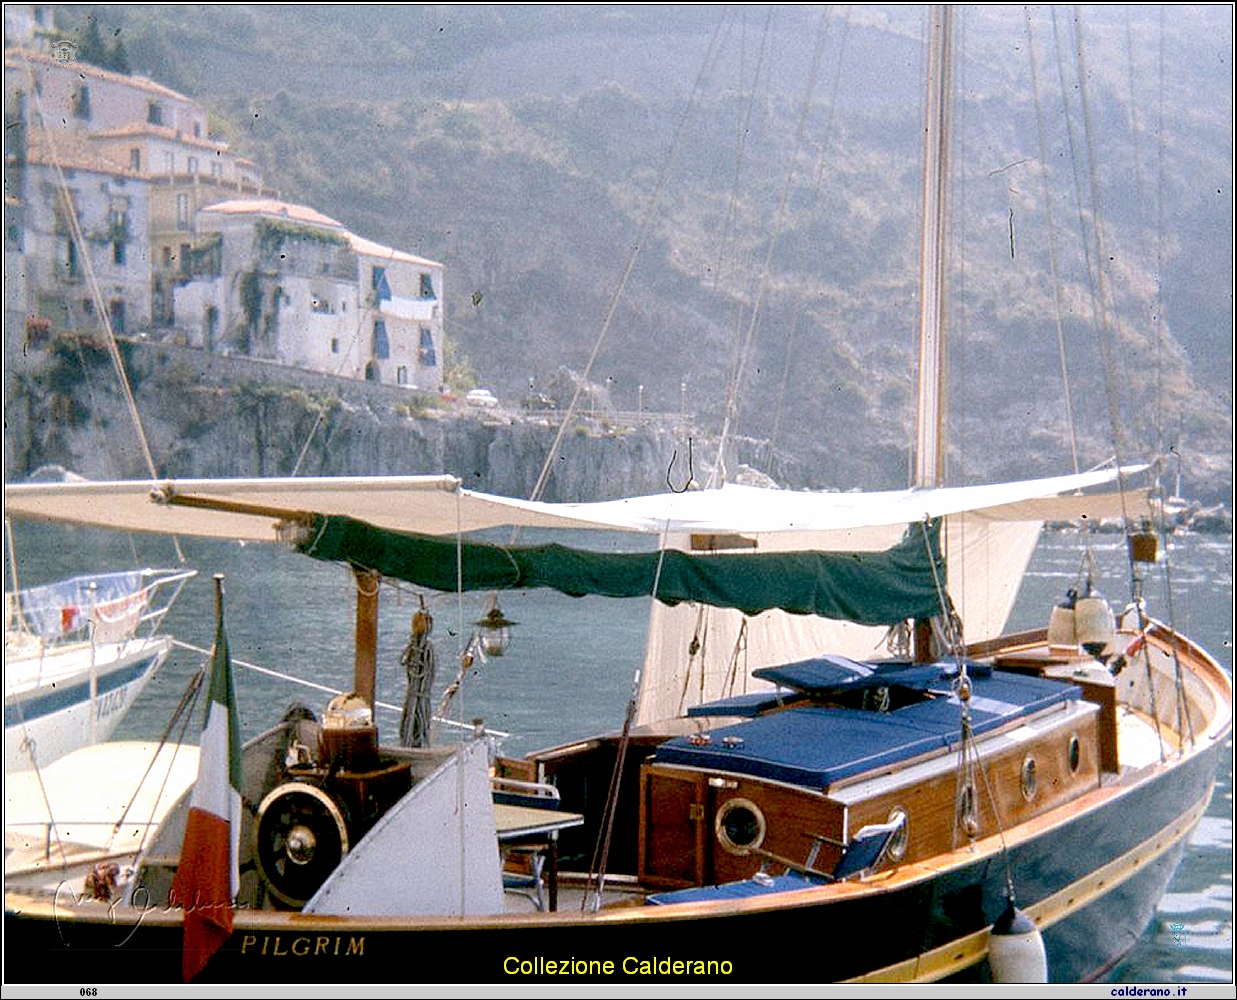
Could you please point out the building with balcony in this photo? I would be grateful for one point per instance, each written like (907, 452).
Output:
(279, 281)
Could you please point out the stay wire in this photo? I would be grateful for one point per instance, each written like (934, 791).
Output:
(646, 223)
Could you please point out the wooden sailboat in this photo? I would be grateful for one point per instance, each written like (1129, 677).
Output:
(895, 808)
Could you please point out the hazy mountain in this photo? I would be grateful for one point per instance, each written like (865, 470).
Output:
(532, 149)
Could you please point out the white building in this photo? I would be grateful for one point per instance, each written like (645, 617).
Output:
(181, 236)
(286, 283)
(110, 207)
(78, 97)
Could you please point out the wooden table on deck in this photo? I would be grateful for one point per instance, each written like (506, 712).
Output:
(517, 824)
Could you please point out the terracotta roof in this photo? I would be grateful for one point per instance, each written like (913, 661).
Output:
(73, 151)
(369, 248)
(269, 206)
(17, 57)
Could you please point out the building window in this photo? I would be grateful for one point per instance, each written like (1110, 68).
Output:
(169, 163)
(81, 103)
(334, 345)
(381, 289)
(167, 258)
(118, 252)
(427, 286)
(426, 354)
(182, 211)
(197, 130)
(154, 113)
(216, 170)
(71, 258)
(135, 160)
(382, 346)
(193, 165)
(401, 375)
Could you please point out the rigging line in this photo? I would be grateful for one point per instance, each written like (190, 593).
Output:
(19, 616)
(1106, 303)
(77, 236)
(1158, 407)
(645, 225)
(817, 181)
(745, 349)
(324, 689)
(356, 335)
(183, 713)
(1053, 261)
(746, 109)
(601, 854)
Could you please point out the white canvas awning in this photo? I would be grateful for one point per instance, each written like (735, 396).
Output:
(249, 509)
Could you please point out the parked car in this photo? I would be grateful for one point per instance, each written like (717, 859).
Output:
(481, 397)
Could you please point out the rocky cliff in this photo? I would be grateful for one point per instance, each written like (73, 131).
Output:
(208, 416)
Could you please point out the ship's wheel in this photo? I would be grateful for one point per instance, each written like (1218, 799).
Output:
(302, 836)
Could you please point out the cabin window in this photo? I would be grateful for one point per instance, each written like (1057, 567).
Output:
(740, 826)
(1074, 753)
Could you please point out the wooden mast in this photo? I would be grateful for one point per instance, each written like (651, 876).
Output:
(930, 410)
(930, 413)
(366, 663)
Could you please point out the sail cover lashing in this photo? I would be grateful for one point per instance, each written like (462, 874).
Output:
(871, 588)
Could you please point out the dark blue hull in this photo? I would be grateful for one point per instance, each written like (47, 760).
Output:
(931, 929)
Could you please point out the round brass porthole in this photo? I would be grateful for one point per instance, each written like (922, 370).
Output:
(740, 825)
(1073, 753)
(896, 850)
(1030, 783)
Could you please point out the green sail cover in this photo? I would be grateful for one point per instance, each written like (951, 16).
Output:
(872, 588)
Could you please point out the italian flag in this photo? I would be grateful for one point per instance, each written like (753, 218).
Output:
(208, 879)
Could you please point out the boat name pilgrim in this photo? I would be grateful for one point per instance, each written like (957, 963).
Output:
(332, 945)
